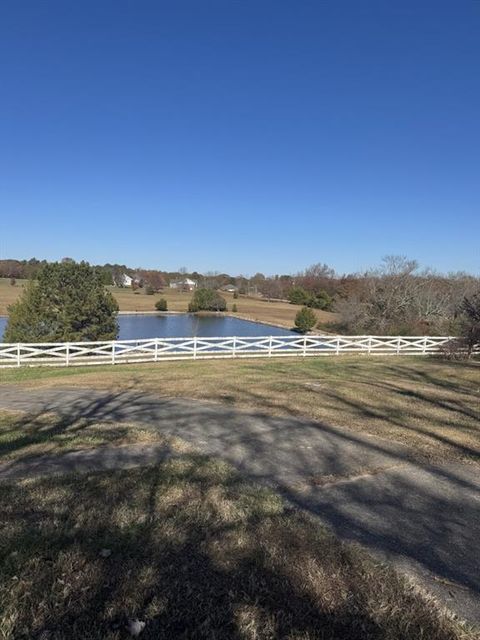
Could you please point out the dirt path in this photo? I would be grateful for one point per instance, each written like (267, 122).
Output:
(425, 519)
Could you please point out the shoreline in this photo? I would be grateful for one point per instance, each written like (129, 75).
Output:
(151, 313)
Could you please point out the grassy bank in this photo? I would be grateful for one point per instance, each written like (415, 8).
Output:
(189, 549)
(431, 405)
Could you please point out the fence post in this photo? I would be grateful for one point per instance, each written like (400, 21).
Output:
(304, 352)
(67, 354)
(194, 347)
(234, 348)
(155, 357)
(337, 350)
(369, 343)
(424, 348)
(18, 354)
(399, 342)
(270, 346)
(113, 352)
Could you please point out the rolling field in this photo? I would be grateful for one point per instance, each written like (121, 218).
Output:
(277, 313)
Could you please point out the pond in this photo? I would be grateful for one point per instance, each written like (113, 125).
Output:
(138, 326)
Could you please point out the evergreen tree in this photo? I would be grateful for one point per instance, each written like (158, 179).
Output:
(67, 303)
(161, 305)
(305, 320)
(207, 300)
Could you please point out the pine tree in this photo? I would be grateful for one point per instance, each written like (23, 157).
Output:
(305, 320)
(67, 303)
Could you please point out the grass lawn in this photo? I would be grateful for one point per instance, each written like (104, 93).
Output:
(277, 313)
(429, 404)
(193, 551)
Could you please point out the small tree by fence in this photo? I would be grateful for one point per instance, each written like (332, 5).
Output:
(305, 320)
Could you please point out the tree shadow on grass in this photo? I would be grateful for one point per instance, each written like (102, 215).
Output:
(193, 552)
(60, 431)
(422, 513)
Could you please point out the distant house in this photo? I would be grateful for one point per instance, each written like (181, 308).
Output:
(230, 288)
(184, 285)
(124, 280)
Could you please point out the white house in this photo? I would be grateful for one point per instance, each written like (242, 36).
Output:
(125, 280)
(185, 285)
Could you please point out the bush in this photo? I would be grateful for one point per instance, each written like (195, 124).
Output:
(149, 290)
(13, 282)
(68, 302)
(235, 294)
(321, 301)
(305, 320)
(234, 308)
(207, 300)
(161, 305)
(298, 295)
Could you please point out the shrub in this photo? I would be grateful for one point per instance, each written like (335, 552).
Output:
(234, 308)
(68, 302)
(149, 290)
(298, 295)
(13, 282)
(235, 294)
(305, 320)
(161, 305)
(207, 300)
(321, 301)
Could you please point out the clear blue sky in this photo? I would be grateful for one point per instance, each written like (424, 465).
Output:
(241, 136)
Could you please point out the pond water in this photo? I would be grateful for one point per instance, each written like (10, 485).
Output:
(138, 326)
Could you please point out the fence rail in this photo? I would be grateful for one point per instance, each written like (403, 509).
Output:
(156, 349)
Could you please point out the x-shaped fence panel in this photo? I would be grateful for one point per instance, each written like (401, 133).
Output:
(156, 349)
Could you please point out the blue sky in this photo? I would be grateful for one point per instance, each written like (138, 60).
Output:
(241, 136)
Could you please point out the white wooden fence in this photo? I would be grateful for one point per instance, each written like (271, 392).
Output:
(155, 349)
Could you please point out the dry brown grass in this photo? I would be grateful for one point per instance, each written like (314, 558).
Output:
(277, 313)
(193, 551)
(23, 435)
(128, 300)
(429, 404)
(9, 294)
